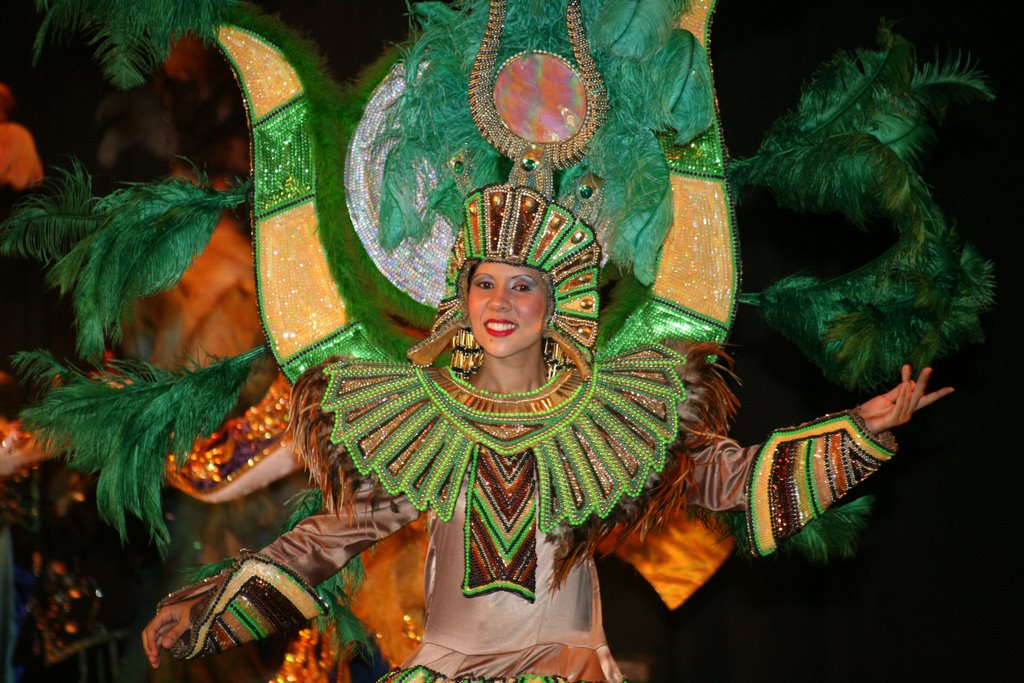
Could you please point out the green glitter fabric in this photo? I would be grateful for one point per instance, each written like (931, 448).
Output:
(600, 443)
(421, 674)
(283, 163)
(703, 156)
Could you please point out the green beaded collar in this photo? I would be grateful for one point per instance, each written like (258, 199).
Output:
(594, 440)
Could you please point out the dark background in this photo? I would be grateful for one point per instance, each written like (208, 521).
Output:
(932, 593)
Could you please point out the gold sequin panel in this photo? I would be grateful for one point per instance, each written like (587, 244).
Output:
(696, 19)
(698, 269)
(299, 301)
(268, 79)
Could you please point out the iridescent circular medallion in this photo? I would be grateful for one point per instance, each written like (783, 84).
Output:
(540, 97)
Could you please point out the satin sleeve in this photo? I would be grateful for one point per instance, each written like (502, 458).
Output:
(789, 480)
(323, 543)
(275, 589)
(721, 472)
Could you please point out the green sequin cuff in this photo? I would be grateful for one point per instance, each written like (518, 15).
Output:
(802, 471)
(421, 674)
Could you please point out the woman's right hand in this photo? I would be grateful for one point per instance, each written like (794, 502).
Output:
(164, 630)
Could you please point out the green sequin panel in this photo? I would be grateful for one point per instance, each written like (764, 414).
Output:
(283, 163)
(348, 341)
(702, 156)
(660, 319)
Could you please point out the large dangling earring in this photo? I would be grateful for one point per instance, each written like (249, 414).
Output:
(467, 354)
(554, 357)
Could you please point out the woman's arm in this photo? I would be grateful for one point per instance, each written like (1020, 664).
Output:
(274, 589)
(799, 472)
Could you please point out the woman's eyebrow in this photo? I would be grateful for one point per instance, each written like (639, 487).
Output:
(528, 278)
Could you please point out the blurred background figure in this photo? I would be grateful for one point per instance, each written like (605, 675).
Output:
(20, 166)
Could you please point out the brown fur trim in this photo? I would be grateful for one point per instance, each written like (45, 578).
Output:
(703, 417)
(329, 464)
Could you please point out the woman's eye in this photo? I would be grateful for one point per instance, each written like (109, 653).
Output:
(482, 284)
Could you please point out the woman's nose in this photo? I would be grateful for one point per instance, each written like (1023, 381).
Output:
(500, 300)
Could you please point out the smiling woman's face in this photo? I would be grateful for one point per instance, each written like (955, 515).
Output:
(507, 306)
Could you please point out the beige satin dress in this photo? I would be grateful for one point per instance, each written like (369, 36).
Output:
(500, 633)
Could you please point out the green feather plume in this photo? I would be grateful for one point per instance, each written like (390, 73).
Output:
(436, 124)
(642, 209)
(954, 80)
(858, 134)
(854, 145)
(45, 226)
(834, 534)
(114, 250)
(123, 422)
(684, 74)
(634, 29)
(144, 247)
(911, 305)
(132, 37)
(337, 591)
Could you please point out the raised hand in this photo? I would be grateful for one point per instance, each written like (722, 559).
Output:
(895, 407)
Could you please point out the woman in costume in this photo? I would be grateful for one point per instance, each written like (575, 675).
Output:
(526, 451)
(507, 596)
(510, 527)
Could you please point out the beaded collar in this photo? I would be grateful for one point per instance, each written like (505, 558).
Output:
(594, 440)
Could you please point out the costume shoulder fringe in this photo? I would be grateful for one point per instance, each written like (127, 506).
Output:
(328, 463)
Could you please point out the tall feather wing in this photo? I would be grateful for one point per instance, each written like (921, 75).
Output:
(854, 146)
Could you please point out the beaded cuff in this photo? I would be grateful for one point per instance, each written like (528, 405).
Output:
(250, 601)
(421, 674)
(800, 472)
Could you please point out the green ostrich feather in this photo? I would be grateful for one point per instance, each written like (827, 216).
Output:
(634, 29)
(834, 534)
(46, 226)
(856, 138)
(132, 37)
(854, 145)
(122, 423)
(111, 251)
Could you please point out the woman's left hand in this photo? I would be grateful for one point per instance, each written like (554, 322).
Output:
(895, 407)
